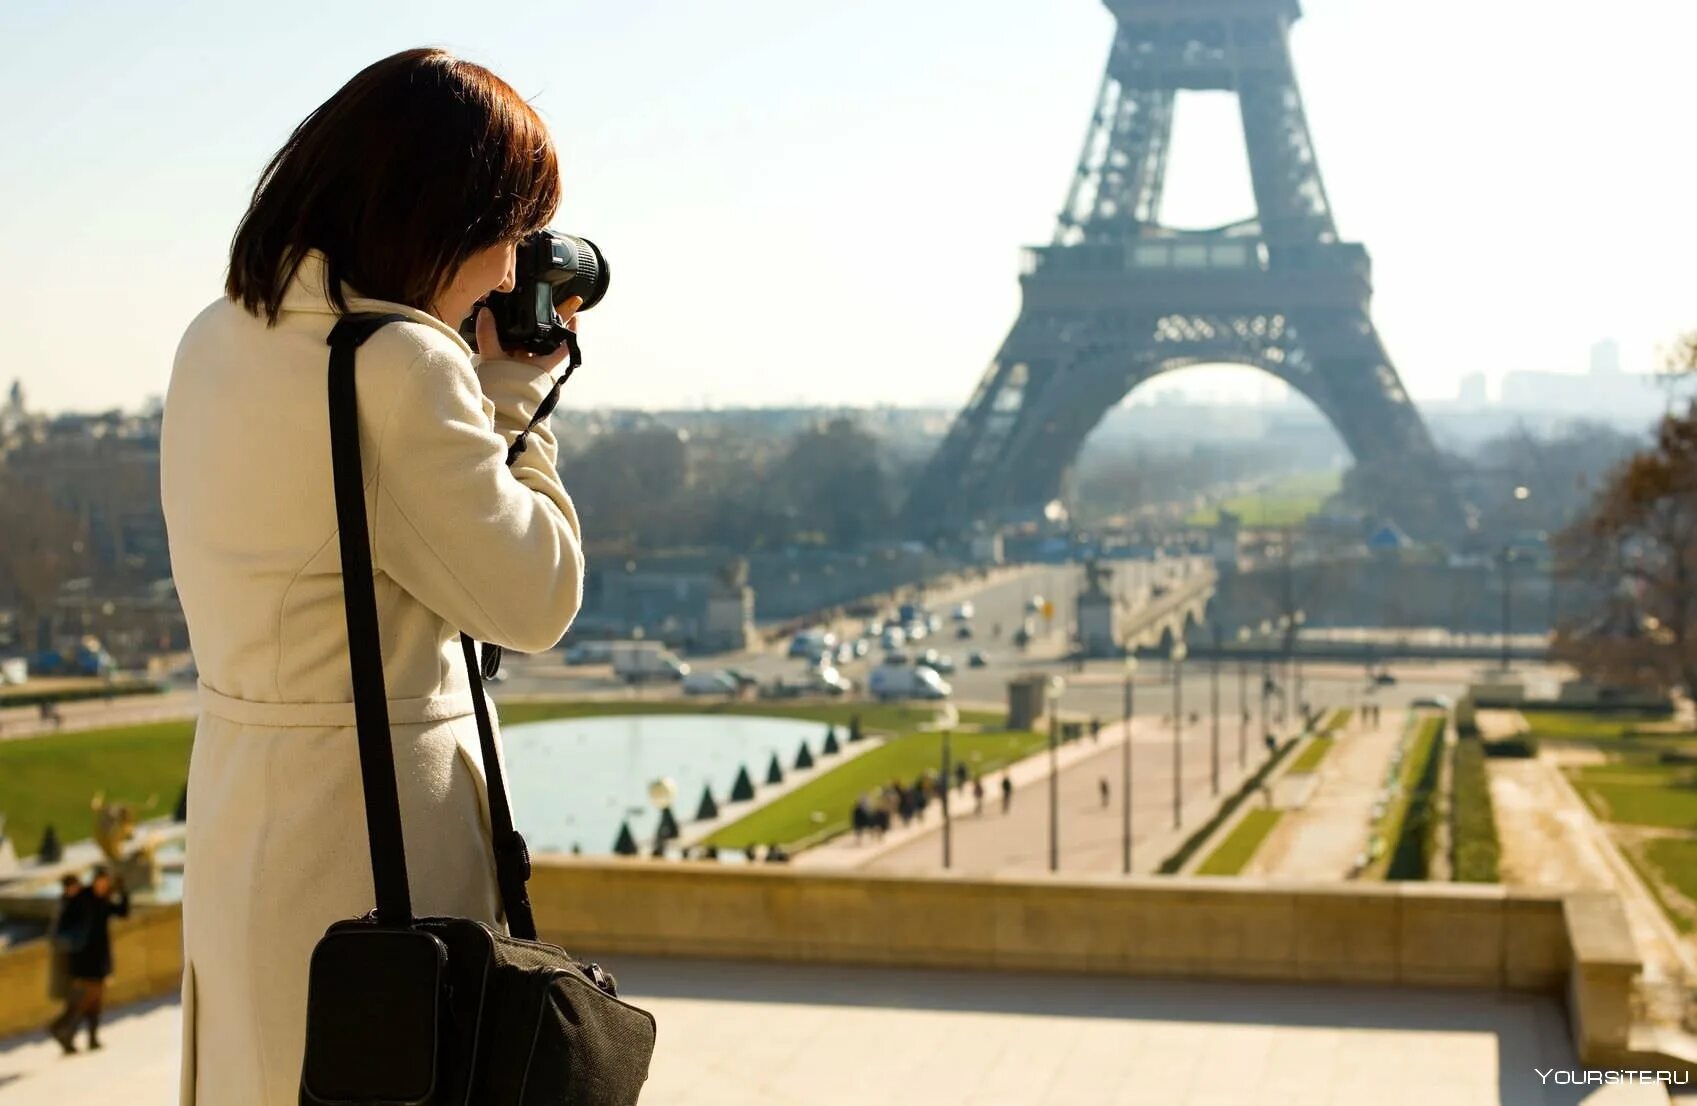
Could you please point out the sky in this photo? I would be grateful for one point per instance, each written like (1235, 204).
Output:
(823, 201)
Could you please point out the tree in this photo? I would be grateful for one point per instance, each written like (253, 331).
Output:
(1634, 554)
(43, 546)
(833, 483)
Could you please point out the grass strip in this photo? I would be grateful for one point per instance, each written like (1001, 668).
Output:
(1241, 843)
(1474, 849)
(822, 807)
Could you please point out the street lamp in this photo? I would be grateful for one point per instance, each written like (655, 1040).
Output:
(1521, 494)
(1214, 707)
(1242, 700)
(1178, 655)
(1056, 687)
(1284, 683)
(1266, 673)
(1125, 761)
(1297, 621)
(944, 790)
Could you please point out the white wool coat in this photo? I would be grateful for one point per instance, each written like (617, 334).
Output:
(276, 831)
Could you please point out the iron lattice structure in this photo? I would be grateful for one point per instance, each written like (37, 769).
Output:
(1117, 299)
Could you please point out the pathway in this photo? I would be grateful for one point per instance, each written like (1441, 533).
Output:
(1322, 839)
(1091, 834)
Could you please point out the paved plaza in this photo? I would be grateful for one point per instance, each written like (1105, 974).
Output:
(738, 1034)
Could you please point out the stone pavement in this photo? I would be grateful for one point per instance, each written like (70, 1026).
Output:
(1322, 839)
(1091, 835)
(736, 1034)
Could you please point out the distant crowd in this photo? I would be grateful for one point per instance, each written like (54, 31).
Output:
(877, 810)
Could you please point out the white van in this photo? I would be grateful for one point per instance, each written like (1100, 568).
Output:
(902, 682)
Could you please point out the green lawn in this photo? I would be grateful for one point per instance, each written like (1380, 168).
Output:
(874, 717)
(1675, 861)
(1241, 844)
(1311, 757)
(1474, 849)
(50, 780)
(1663, 795)
(1283, 502)
(824, 805)
(1588, 725)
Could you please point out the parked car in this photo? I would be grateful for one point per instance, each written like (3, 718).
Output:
(892, 638)
(975, 659)
(1034, 604)
(964, 611)
(636, 661)
(822, 681)
(811, 643)
(895, 657)
(963, 632)
(900, 682)
(710, 683)
(1433, 702)
(1383, 679)
(937, 662)
(589, 652)
(744, 678)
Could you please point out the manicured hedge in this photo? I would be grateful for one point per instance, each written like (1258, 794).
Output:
(1474, 851)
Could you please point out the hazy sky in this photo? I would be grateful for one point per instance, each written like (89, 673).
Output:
(818, 201)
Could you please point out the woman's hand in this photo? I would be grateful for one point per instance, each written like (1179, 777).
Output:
(489, 338)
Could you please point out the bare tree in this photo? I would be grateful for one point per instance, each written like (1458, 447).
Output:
(1635, 555)
(41, 546)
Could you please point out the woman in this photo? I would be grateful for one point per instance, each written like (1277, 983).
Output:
(405, 192)
(89, 913)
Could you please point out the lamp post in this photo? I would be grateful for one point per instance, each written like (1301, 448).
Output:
(1521, 494)
(1125, 762)
(947, 841)
(1284, 681)
(1266, 674)
(1242, 701)
(1214, 706)
(1296, 623)
(1056, 686)
(1178, 732)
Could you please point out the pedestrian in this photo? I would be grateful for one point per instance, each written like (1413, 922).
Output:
(90, 962)
(64, 936)
(861, 818)
(960, 775)
(1007, 792)
(1096, 730)
(977, 797)
(1102, 787)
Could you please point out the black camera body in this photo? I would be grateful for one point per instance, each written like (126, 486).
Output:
(551, 268)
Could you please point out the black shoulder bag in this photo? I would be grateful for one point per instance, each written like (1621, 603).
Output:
(405, 1011)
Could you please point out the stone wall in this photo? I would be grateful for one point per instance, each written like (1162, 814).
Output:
(1409, 934)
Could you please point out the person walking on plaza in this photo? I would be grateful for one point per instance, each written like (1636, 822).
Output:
(1102, 787)
(977, 796)
(90, 914)
(1007, 792)
(65, 936)
(407, 193)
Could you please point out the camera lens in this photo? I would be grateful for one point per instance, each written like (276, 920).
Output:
(590, 278)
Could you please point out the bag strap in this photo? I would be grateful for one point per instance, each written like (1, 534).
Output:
(365, 653)
(371, 704)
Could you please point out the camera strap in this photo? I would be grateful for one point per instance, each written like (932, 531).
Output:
(371, 705)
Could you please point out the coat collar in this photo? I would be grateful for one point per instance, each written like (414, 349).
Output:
(306, 293)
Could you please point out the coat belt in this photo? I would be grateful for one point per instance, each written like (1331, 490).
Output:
(402, 712)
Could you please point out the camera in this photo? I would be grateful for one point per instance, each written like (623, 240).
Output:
(551, 268)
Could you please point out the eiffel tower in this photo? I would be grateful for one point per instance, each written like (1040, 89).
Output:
(1117, 299)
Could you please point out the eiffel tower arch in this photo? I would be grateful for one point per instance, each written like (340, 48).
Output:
(1116, 298)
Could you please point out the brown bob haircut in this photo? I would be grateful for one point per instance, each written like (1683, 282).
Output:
(418, 162)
